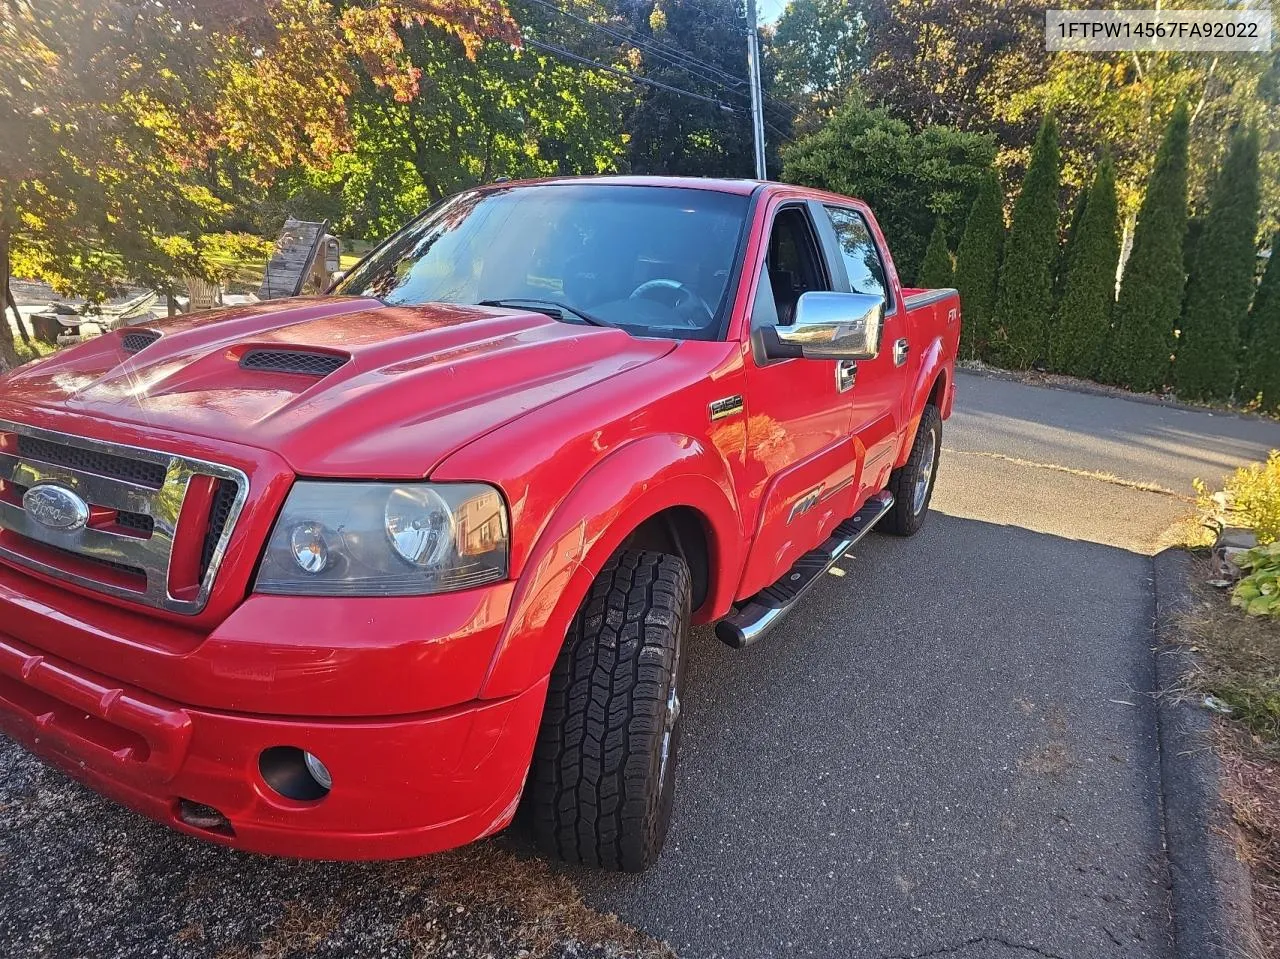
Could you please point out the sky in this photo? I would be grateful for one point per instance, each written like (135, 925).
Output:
(769, 10)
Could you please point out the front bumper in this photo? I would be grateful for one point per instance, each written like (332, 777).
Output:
(402, 786)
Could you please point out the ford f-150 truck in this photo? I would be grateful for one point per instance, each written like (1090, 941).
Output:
(354, 576)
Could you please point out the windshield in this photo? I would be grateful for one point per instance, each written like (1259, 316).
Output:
(654, 261)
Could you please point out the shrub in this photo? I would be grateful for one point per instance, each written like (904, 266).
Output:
(936, 271)
(1083, 321)
(1025, 301)
(909, 178)
(1150, 301)
(1220, 285)
(1252, 498)
(1258, 592)
(978, 266)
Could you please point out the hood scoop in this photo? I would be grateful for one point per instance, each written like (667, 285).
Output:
(300, 362)
(135, 341)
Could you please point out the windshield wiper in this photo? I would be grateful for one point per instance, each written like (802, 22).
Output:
(551, 308)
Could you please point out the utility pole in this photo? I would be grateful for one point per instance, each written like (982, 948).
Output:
(757, 95)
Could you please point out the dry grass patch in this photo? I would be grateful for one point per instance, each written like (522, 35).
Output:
(1251, 787)
(1238, 658)
(1238, 661)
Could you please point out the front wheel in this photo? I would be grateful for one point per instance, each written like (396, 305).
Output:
(603, 775)
(912, 483)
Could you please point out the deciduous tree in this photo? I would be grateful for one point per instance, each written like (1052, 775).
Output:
(818, 50)
(951, 62)
(1082, 323)
(513, 112)
(1150, 300)
(111, 112)
(674, 134)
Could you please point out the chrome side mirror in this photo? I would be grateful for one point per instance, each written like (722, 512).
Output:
(829, 326)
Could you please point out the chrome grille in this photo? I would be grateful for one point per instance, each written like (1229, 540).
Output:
(224, 499)
(142, 493)
(96, 461)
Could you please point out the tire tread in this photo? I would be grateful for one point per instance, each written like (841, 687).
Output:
(595, 797)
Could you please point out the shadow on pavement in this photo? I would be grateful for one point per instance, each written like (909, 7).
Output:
(951, 748)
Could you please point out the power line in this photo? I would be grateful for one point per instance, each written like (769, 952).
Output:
(570, 55)
(735, 26)
(775, 129)
(677, 56)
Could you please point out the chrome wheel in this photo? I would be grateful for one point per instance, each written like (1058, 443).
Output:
(920, 493)
(672, 715)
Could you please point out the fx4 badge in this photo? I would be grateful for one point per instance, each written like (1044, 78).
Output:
(806, 502)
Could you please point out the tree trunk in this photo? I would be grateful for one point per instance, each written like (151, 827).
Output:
(6, 290)
(8, 353)
(17, 315)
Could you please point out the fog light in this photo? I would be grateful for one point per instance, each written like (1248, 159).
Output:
(294, 773)
(319, 772)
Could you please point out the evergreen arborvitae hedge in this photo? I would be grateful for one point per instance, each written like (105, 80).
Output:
(978, 266)
(936, 271)
(1025, 301)
(1064, 256)
(1220, 285)
(1082, 324)
(1150, 302)
(1261, 366)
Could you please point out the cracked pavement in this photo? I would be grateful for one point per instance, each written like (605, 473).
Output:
(951, 750)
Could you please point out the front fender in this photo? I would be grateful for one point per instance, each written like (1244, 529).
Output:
(619, 493)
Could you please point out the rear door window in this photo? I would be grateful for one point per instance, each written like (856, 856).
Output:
(858, 249)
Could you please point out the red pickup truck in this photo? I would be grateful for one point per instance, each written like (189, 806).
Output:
(354, 576)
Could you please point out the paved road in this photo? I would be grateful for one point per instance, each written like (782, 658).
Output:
(947, 751)
(950, 749)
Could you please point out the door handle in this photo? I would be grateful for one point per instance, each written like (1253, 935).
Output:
(846, 375)
(901, 349)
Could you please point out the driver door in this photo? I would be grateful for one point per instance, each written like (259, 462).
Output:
(801, 460)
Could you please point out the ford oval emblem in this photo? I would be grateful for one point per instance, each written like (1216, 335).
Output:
(55, 507)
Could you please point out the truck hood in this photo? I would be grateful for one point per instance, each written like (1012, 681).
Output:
(389, 390)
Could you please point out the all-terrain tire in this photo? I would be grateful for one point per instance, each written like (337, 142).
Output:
(603, 774)
(910, 498)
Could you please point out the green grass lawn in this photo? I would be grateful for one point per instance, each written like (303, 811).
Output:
(37, 349)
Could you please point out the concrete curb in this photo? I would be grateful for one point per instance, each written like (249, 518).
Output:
(1211, 887)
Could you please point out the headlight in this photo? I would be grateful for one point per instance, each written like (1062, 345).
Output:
(385, 539)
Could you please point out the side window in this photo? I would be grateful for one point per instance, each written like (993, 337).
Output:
(858, 248)
(792, 267)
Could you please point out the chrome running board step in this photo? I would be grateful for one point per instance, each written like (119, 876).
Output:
(756, 616)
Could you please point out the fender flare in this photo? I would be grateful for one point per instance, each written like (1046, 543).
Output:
(933, 366)
(635, 482)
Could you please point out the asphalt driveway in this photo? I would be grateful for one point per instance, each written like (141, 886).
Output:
(949, 750)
